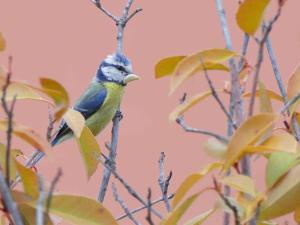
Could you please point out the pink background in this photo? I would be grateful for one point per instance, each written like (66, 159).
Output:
(66, 40)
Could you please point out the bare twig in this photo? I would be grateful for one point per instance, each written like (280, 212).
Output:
(259, 59)
(144, 207)
(149, 212)
(123, 205)
(227, 202)
(289, 103)
(50, 125)
(40, 202)
(187, 128)
(51, 190)
(130, 190)
(121, 23)
(164, 182)
(216, 96)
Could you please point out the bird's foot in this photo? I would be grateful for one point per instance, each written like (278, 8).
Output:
(119, 115)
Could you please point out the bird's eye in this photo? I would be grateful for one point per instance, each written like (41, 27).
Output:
(120, 68)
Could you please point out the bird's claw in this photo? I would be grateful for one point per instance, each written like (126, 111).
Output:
(119, 115)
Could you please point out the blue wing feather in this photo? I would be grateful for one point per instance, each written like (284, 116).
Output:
(88, 104)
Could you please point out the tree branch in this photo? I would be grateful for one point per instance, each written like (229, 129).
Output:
(40, 202)
(149, 212)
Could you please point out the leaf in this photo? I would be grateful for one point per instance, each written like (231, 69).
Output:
(283, 197)
(29, 215)
(293, 87)
(166, 66)
(272, 95)
(89, 149)
(29, 180)
(80, 210)
(190, 65)
(191, 180)
(182, 108)
(28, 135)
(21, 91)
(13, 170)
(240, 183)
(279, 163)
(247, 134)
(279, 142)
(250, 15)
(2, 43)
(215, 148)
(265, 101)
(174, 216)
(198, 220)
(297, 215)
(58, 93)
(75, 121)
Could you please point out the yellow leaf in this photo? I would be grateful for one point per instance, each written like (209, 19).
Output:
(190, 65)
(27, 134)
(166, 66)
(283, 197)
(182, 108)
(80, 210)
(2, 43)
(198, 220)
(21, 197)
(75, 121)
(279, 163)
(29, 215)
(279, 142)
(297, 215)
(21, 91)
(29, 180)
(272, 95)
(240, 183)
(57, 92)
(265, 101)
(89, 149)
(174, 216)
(250, 15)
(191, 180)
(215, 148)
(294, 87)
(247, 134)
(13, 170)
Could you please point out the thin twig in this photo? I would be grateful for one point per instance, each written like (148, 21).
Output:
(164, 182)
(216, 96)
(130, 190)
(227, 202)
(187, 128)
(259, 59)
(149, 212)
(40, 202)
(50, 125)
(106, 12)
(51, 190)
(123, 205)
(144, 207)
(289, 103)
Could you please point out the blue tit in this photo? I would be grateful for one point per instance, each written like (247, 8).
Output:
(100, 101)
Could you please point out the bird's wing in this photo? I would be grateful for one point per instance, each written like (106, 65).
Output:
(89, 103)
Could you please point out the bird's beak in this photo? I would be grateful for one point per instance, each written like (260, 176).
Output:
(131, 77)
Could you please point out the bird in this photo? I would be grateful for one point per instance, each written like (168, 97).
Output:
(100, 101)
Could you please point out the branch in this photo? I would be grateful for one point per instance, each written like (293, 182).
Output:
(289, 103)
(144, 207)
(40, 202)
(130, 190)
(259, 59)
(98, 4)
(187, 128)
(216, 96)
(51, 189)
(123, 205)
(149, 217)
(164, 182)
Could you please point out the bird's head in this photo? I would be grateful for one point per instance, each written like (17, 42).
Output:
(116, 68)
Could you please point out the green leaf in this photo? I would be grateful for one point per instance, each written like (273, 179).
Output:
(215, 148)
(250, 15)
(283, 197)
(89, 149)
(279, 163)
(166, 66)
